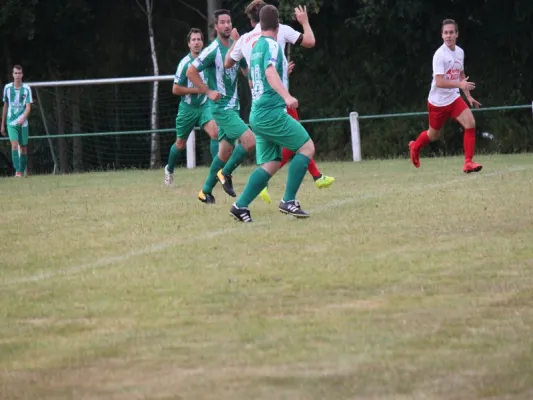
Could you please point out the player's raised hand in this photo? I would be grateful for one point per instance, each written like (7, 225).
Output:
(290, 67)
(213, 95)
(301, 14)
(234, 34)
(291, 102)
(473, 102)
(466, 85)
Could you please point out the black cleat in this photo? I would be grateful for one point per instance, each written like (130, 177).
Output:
(206, 198)
(293, 208)
(241, 214)
(226, 182)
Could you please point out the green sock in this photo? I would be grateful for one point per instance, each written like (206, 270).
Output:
(297, 170)
(174, 156)
(23, 162)
(235, 160)
(257, 182)
(211, 180)
(213, 148)
(15, 159)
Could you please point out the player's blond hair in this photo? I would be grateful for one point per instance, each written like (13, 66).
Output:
(253, 9)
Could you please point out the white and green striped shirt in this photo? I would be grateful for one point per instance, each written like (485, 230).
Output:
(181, 79)
(16, 100)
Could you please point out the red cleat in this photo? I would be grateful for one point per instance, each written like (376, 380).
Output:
(414, 154)
(471, 166)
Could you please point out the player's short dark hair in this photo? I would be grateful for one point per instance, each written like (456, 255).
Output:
(449, 21)
(269, 17)
(220, 12)
(17, 66)
(192, 32)
(253, 9)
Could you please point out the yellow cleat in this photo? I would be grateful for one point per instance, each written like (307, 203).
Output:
(265, 196)
(324, 181)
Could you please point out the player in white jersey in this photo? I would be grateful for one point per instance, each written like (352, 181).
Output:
(445, 100)
(17, 106)
(243, 49)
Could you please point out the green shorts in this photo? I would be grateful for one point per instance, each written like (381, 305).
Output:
(18, 134)
(189, 117)
(273, 130)
(230, 125)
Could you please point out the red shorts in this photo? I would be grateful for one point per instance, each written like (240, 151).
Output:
(293, 113)
(439, 115)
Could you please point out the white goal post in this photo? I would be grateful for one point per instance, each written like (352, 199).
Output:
(191, 142)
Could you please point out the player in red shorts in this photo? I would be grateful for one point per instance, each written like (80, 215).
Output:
(445, 100)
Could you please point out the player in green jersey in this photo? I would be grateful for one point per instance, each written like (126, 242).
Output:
(193, 110)
(224, 101)
(273, 127)
(17, 107)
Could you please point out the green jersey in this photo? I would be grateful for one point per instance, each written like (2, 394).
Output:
(223, 80)
(266, 53)
(194, 100)
(16, 100)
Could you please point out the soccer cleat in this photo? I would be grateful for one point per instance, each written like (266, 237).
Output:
(241, 214)
(292, 207)
(207, 198)
(18, 175)
(265, 196)
(471, 166)
(169, 177)
(414, 154)
(226, 182)
(324, 181)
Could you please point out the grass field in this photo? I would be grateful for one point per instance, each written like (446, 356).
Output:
(404, 284)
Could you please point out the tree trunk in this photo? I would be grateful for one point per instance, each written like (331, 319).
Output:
(63, 150)
(212, 5)
(155, 153)
(77, 142)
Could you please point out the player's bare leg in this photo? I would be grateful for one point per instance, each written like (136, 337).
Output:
(466, 119)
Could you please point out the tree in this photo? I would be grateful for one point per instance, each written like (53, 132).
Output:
(155, 155)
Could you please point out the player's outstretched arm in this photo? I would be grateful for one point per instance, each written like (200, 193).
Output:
(308, 37)
(275, 82)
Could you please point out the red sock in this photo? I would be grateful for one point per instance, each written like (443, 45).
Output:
(422, 140)
(313, 170)
(286, 155)
(469, 143)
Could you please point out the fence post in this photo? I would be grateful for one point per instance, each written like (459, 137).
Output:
(356, 138)
(191, 150)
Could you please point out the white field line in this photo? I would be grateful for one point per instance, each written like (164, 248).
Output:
(108, 261)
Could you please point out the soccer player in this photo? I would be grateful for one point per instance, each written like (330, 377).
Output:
(193, 110)
(224, 102)
(243, 49)
(445, 101)
(17, 107)
(273, 127)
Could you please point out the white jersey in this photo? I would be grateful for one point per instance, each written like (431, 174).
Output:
(449, 63)
(245, 44)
